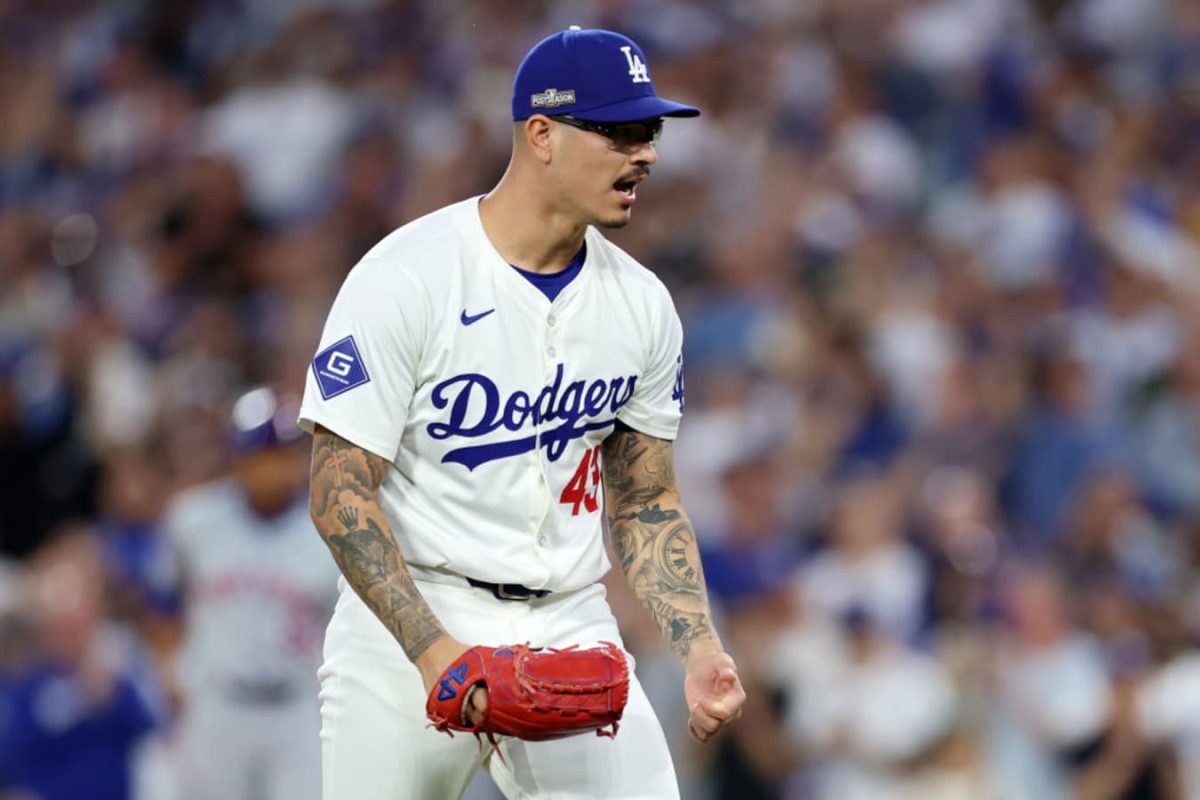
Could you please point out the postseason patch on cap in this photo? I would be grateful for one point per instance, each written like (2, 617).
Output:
(552, 98)
(339, 368)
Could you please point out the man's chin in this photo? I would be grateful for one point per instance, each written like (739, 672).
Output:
(618, 220)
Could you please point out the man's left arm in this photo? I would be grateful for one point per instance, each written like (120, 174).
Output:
(657, 551)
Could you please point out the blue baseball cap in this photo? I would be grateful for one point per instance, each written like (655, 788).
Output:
(594, 75)
(263, 421)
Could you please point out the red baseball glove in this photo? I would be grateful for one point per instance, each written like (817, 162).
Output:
(534, 693)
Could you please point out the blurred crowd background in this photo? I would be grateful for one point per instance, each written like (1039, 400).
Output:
(938, 263)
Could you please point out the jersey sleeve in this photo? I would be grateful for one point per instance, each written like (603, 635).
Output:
(658, 400)
(360, 383)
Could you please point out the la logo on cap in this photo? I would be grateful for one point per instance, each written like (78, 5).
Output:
(637, 67)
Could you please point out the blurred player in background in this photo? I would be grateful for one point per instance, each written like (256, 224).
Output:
(258, 588)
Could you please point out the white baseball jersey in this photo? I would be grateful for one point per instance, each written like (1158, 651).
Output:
(260, 591)
(490, 400)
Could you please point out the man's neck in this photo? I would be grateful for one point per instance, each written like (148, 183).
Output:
(528, 231)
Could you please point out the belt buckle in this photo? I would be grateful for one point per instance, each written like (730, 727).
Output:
(503, 594)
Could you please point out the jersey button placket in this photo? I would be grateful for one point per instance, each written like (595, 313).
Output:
(541, 539)
(551, 321)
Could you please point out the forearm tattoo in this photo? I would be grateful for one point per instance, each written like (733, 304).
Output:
(653, 538)
(344, 483)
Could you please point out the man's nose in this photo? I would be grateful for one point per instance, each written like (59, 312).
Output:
(645, 155)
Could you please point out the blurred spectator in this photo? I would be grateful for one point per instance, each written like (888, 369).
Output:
(1115, 537)
(285, 129)
(1064, 438)
(47, 465)
(869, 567)
(131, 503)
(960, 533)
(878, 716)
(1166, 703)
(73, 714)
(756, 554)
(1054, 694)
(1167, 431)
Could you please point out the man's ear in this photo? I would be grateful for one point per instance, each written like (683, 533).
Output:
(539, 136)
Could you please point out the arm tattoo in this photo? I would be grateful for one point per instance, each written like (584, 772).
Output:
(653, 538)
(344, 483)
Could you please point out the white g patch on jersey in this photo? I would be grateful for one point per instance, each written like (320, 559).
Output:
(491, 401)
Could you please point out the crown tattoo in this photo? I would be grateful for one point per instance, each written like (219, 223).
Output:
(348, 517)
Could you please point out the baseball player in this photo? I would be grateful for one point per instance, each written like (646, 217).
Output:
(492, 378)
(258, 589)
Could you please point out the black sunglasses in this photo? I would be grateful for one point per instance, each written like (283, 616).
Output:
(623, 135)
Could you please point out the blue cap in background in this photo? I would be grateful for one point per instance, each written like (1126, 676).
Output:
(594, 75)
(262, 421)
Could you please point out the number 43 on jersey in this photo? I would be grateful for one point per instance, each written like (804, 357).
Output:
(584, 486)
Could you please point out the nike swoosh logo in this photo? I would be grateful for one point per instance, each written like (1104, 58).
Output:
(471, 320)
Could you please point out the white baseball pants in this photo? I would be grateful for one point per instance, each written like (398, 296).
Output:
(375, 743)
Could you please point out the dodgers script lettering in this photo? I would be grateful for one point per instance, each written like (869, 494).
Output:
(476, 409)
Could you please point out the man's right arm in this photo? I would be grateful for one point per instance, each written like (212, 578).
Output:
(344, 487)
